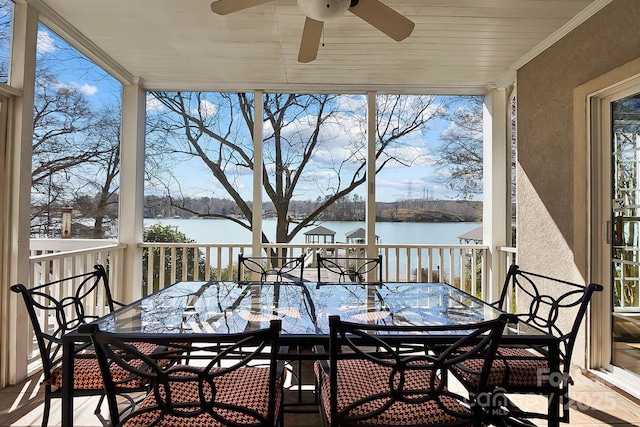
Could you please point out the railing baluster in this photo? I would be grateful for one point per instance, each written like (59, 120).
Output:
(162, 263)
(397, 265)
(430, 265)
(219, 264)
(174, 264)
(407, 272)
(207, 263)
(196, 266)
(185, 258)
(452, 268)
(230, 257)
(150, 263)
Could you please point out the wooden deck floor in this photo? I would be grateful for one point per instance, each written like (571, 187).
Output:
(593, 405)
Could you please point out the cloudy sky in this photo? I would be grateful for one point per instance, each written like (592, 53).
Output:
(395, 182)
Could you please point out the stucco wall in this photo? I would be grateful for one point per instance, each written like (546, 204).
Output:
(553, 222)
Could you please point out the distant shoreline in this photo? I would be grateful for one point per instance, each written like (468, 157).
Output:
(434, 220)
(407, 211)
(226, 231)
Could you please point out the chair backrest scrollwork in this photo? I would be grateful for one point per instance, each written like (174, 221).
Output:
(275, 269)
(350, 269)
(554, 305)
(60, 306)
(198, 379)
(407, 381)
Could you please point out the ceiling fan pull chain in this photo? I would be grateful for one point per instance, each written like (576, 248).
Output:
(322, 37)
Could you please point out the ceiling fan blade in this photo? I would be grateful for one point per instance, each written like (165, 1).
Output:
(310, 40)
(384, 18)
(224, 7)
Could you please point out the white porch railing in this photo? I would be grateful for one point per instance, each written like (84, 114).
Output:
(508, 256)
(52, 259)
(463, 266)
(55, 259)
(460, 265)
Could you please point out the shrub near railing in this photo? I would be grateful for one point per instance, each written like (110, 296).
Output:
(167, 263)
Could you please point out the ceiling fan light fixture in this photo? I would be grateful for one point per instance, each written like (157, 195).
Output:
(324, 10)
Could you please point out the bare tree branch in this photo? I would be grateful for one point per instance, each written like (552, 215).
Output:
(218, 129)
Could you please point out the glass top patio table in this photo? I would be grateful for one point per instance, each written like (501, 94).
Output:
(228, 307)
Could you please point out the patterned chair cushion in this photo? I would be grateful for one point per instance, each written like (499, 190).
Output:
(512, 368)
(245, 387)
(87, 376)
(358, 379)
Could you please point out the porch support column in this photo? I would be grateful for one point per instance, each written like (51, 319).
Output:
(256, 218)
(131, 203)
(370, 211)
(496, 180)
(16, 202)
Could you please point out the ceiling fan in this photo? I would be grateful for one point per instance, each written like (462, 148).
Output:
(318, 12)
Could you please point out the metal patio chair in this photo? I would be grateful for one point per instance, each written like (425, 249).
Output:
(275, 269)
(58, 307)
(558, 311)
(368, 382)
(217, 385)
(284, 271)
(350, 269)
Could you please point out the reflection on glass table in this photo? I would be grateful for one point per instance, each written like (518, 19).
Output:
(227, 307)
(304, 308)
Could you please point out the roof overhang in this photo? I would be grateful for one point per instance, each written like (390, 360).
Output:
(456, 47)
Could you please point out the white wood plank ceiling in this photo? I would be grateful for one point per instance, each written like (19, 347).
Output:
(457, 46)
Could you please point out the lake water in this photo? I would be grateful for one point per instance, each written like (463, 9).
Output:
(225, 231)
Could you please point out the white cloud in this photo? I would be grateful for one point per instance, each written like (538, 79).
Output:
(208, 108)
(46, 43)
(336, 138)
(205, 109)
(88, 89)
(410, 155)
(153, 104)
(85, 88)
